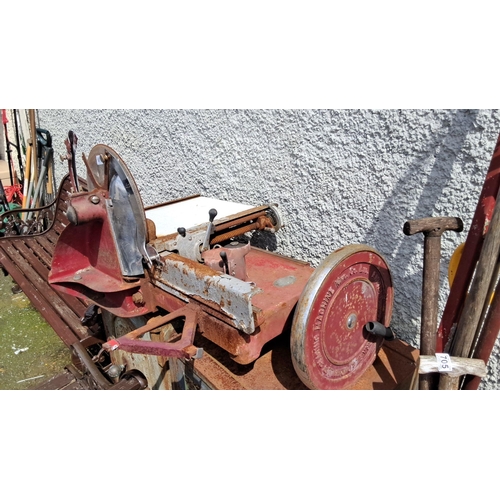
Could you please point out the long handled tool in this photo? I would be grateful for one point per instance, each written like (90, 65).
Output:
(471, 251)
(18, 147)
(15, 179)
(433, 228)
(71, 143)
(459, 367)
(36, 195)
(476, 300)
(27, 183)
(44, 144)
(3, 198)
(8, 144)
(486, 339)
(34, 150)
(51, 181)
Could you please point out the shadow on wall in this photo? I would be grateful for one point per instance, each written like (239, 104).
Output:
(386, 233)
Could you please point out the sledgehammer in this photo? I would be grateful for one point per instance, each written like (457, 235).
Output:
(433, 228)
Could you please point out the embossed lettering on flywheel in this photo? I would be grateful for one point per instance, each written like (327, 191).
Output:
(337, 347)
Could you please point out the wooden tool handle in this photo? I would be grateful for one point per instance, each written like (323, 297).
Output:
(433, 226)
(460, 366)
(478, 293)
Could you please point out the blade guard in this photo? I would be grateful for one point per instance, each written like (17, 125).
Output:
(85, 263)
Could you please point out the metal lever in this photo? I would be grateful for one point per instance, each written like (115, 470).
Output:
(225, 262)
(212, 214)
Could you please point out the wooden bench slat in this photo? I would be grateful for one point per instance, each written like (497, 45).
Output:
(43, 287)
(28, 260)
(40, 300)
(26, 250)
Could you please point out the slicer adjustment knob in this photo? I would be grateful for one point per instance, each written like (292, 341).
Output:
(182, 231)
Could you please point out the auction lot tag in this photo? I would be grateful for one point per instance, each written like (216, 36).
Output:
(444, 362)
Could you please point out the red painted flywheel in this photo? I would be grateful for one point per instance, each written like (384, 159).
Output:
(330, 346)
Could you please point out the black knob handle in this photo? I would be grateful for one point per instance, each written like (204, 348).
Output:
(182, 231)
(376, 328)
(212, 214)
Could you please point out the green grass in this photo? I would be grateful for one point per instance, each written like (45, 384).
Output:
(29, 347)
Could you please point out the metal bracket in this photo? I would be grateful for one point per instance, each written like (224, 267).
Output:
(182, 348)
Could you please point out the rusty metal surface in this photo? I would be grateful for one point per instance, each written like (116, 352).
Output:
(229, 259)
(130, 381)
(394, 368)
(263, 222)
(273, 370)
(331, 348)
(187, 243)
(245, 324)
(99, 256)
(85, 256)
(154, 368)
(187, 279)
(182, 347)
(281, 281)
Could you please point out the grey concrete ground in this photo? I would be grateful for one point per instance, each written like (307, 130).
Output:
(339, 176)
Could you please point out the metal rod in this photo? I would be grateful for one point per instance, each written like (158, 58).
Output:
(18, 147)
(91, 367)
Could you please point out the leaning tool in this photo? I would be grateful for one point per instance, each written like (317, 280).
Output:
(477, 298)
(433, 228)
(44, 145)
(34, 155)
(8, 145)
(27, 177)
(486, 339)
(3, 198)
(471, 252)
(37, 194)
(71, 142)
(18, 147)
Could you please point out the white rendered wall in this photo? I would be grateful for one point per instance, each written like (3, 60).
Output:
(339, 176)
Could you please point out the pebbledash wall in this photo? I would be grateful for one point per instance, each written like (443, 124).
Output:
(339, 176)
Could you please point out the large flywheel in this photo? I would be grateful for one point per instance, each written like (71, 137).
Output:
(330, 345)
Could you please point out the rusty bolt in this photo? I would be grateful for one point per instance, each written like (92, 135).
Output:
(138, 299)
